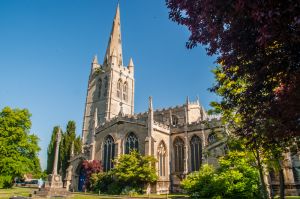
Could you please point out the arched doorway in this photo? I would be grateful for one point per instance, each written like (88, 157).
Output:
(81, 180)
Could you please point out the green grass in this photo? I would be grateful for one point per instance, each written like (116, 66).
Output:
(104, 196)
(15, 191)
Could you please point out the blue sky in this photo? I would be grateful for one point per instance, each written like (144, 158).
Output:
(46, 47)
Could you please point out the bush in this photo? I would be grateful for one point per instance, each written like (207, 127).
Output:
(129, 176)
(101, 181)
(236, 178)
(114, 188)
(6, 182)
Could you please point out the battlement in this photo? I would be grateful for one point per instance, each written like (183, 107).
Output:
(116, 119)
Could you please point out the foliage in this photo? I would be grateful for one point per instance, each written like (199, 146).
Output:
(100, 181)
(91, 167)
(257, 44)
(6, 181)
(129, 176)
(51, 150)
(135, 170)
(67, 139)
(235, 178)
(18, 148)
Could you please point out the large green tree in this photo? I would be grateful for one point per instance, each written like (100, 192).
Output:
(18, 148)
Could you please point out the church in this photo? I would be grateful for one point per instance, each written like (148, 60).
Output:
(181, 138)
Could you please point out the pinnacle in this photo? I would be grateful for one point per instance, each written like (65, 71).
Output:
(95, 60)
(130, 62)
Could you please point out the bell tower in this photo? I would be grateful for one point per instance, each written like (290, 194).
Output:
(110, 86)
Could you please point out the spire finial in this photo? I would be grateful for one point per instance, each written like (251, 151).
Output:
(115, 41)
(150, 103)
(130, 63)
(187, 100)
(95, 60)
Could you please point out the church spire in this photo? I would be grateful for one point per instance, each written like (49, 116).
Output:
(114, 47)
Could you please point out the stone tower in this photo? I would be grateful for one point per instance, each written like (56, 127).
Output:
(111, 85)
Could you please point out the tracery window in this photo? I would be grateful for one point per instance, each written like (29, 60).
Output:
(105, 85)
(99, 88)
(212, 138)
(132, 143)
(119, 88)
(179, 154)
(196, 153)
(125, 91)
(108, 153)
(174, 120)
(162, 152)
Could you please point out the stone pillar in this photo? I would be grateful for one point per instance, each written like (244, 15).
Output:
(55, 164)
(56, 181)
(72, 150)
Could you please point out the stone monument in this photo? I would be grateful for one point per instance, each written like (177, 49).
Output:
(56, 181)
(54, 187)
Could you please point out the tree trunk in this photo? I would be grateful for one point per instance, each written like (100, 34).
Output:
(263, 187)
(281, 182)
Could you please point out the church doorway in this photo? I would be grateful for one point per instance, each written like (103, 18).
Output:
(81, 181)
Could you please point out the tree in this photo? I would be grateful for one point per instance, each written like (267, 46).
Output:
(257, 47)
(257, 42)
(264, 148)
(51, 150)
(68, 138)
(130, 175)
(90, 168)
(135, 170)
(235, 178)
(18, 148)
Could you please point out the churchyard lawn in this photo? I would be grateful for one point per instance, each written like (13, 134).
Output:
(22, 191)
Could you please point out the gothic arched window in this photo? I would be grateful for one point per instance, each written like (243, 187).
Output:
(196, 153)
(179, 154)
(174, 120)
(162, 152)
(105, 85)
(131, 143)
(119, 88)
(108, 153)
(125, 91)
(99, 88)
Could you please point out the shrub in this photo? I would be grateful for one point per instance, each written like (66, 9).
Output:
(129, 176)
(5, 181)
(235, 178)
(101, 181)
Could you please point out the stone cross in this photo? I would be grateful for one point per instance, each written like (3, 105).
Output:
(58, 137)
